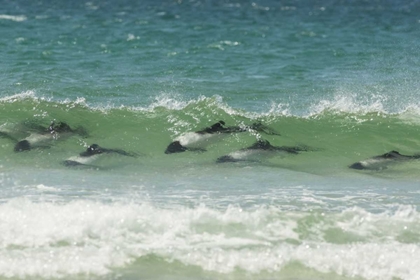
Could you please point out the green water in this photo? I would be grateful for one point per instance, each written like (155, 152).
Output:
(339, 79)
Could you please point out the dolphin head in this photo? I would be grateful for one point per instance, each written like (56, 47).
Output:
(175, 147)
(92, 150)
(21, 146)
(358, 166)
(226, 158)
(59, 128)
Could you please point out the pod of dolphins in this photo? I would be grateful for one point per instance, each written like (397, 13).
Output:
(41, 137)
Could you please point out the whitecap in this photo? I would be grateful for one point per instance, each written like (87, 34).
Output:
(14, 18)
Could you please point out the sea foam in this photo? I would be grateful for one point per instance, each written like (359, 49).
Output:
(51, 239)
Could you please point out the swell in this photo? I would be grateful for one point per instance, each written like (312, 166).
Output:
(344, 136)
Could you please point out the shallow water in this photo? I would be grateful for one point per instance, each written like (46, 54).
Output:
(337, 78)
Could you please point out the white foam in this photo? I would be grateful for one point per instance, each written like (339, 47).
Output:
(176, 102)
(347, 102)
(279, 109)
(342, 102)
(20, 40)
(411, 115)
(19, 18)
(169, 102)
(78, 101)
(19, 96)
(42, 187)
(85, 237)
(131, 37)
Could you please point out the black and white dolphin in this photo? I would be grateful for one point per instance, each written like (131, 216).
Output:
(92, 153)
(383, 161)
(199, 140)
(41, 137)
(262, 149)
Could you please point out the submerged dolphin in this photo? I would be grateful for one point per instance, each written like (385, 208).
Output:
(92, 153)
(260, 149)
(198, 140)
(41, 137)
(382, 161)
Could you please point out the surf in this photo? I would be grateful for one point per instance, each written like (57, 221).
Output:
(343, 137)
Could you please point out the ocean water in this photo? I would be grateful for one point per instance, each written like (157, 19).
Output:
(337, 78)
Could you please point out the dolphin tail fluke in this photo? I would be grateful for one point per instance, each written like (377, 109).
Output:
(290, 150)
(416, 156)
(306, 148)
(33, 127)
(197, 150)
(8, 136)
(70, 163)
(296, 149)
(76, 164)
(228, 158)
(121, 152)
(82, 131)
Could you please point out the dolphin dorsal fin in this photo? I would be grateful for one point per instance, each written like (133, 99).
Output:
(261, 144)
(392, 154)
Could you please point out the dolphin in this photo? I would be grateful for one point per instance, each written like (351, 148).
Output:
(260, 149)
(41, 137)
(198, 140)
(6, 135)
(382, 161)
(92, 153)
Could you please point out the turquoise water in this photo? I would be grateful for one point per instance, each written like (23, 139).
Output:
(339, 79)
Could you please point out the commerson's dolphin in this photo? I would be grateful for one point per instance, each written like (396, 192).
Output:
(41, 137)
(383, 161)
(262, 149)
(92, 153)
(198, 140)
